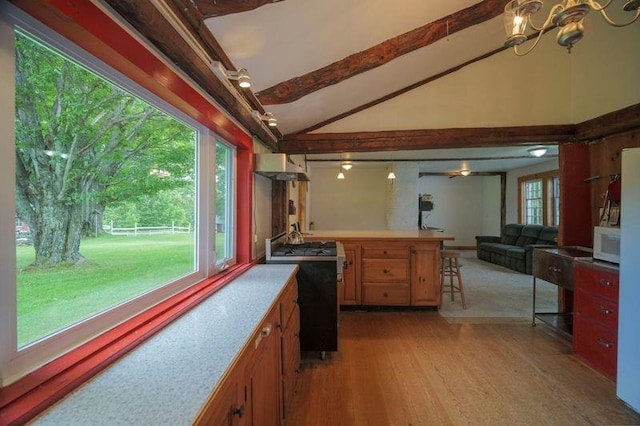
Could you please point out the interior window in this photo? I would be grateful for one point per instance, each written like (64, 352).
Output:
(539, 197)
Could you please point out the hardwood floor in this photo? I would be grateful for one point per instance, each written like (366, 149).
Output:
(414, 368)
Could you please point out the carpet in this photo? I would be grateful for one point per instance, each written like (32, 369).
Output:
(496, 294)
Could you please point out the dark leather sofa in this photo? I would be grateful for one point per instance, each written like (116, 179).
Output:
(514, 247)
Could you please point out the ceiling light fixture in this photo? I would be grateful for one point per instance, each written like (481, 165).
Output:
(391, 175)
(340, 175)
(537, 152)
(465, 172)
(346, 166)
(267, 117)
(567, 15)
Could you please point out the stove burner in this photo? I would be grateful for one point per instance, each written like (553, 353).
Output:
(314, 248)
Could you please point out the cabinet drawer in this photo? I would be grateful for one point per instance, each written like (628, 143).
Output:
(385, 270)
(376, 294)
(596, 344)
(385, 252)
(596, 308)
(554, 269)
(602, 283)
(288, 302)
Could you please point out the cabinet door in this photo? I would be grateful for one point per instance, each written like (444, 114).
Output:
(350, 293)
(263, 380)
(222, 408)
(425, 274)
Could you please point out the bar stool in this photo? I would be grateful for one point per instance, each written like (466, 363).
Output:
(450, 267)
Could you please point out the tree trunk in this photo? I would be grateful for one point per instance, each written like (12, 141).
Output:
(56, 233)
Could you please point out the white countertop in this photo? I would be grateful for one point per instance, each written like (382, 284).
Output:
(168, 378)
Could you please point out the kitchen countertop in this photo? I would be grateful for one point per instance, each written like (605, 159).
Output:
(168, 378)
(422, 235)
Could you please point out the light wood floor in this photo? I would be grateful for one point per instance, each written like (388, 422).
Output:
(414, 368)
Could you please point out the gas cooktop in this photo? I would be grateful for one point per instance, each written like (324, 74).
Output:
(314, 248)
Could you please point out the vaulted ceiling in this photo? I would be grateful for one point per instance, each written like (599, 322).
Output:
(331, 71)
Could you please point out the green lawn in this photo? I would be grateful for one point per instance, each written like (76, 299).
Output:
(117, 269)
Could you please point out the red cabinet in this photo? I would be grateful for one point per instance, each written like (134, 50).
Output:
(595, 329)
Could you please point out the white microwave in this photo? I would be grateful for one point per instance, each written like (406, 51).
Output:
(606, 243)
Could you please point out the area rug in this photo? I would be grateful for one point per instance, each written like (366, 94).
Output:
(496, 294)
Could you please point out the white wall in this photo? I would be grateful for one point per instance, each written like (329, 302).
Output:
(463, 206)
(357, 202)
(402, 197)
(512, 186)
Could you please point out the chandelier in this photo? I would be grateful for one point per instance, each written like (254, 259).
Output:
(567, 15)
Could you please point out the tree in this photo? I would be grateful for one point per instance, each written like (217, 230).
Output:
(82, 142)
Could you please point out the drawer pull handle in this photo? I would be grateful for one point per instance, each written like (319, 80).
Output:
(604, 310)
(384, 252)
(605, 344)
(385, 294)
(554, 269)
(239, 411)
(605, 283)
(386, 271)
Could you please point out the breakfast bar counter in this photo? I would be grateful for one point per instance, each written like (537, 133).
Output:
(388, 268)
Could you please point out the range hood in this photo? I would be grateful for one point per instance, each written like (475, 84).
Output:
(278, 167)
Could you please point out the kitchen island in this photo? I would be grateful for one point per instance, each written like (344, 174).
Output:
(388, 268)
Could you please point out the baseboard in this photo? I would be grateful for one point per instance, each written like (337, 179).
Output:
(448, 247)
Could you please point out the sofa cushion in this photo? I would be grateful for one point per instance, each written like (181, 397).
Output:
(517, 252)
(548, 235)
(510, 233)
(497, 248)
(529, 235)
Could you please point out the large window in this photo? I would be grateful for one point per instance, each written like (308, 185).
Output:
(539, 197)
(112, 206)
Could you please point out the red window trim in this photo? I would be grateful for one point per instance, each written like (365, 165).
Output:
(86, 25)
(32, 394)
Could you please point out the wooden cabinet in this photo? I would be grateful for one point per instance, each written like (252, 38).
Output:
(385, 274)
(257, 388)
(349, 293)
(289, 346)
(425, 277)
(595, 330)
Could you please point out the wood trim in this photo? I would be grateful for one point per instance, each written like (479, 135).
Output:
(298, 87)
(547, 194)
(210, 8)
(615, 122)
(314, 143)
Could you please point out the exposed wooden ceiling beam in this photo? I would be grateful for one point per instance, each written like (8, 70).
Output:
(151, 23)
(211, 8)
(400, 92)
(316, 143)
(296, 88)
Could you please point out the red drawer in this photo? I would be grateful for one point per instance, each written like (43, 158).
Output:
(596, 344)
(597, 309)
(603, 283)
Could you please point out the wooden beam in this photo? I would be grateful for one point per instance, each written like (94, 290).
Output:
(315, 143)
(401, 91)
(211, 8)
(296, 88)
(151, 23)
(619, 121)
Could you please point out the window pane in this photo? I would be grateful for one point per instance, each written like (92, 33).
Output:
(105, 193)
(556, 201)
(224, 201)
(533, 202)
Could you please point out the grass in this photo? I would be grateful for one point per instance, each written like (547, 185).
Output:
(117, 269)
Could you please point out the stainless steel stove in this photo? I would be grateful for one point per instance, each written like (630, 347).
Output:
(319, 274)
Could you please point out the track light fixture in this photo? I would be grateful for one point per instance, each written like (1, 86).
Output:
(465, 172)
(241, 76)
(267, 117)
(346, 166)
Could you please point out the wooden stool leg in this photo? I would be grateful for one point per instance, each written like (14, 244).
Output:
(450, 272)
(460, 285)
